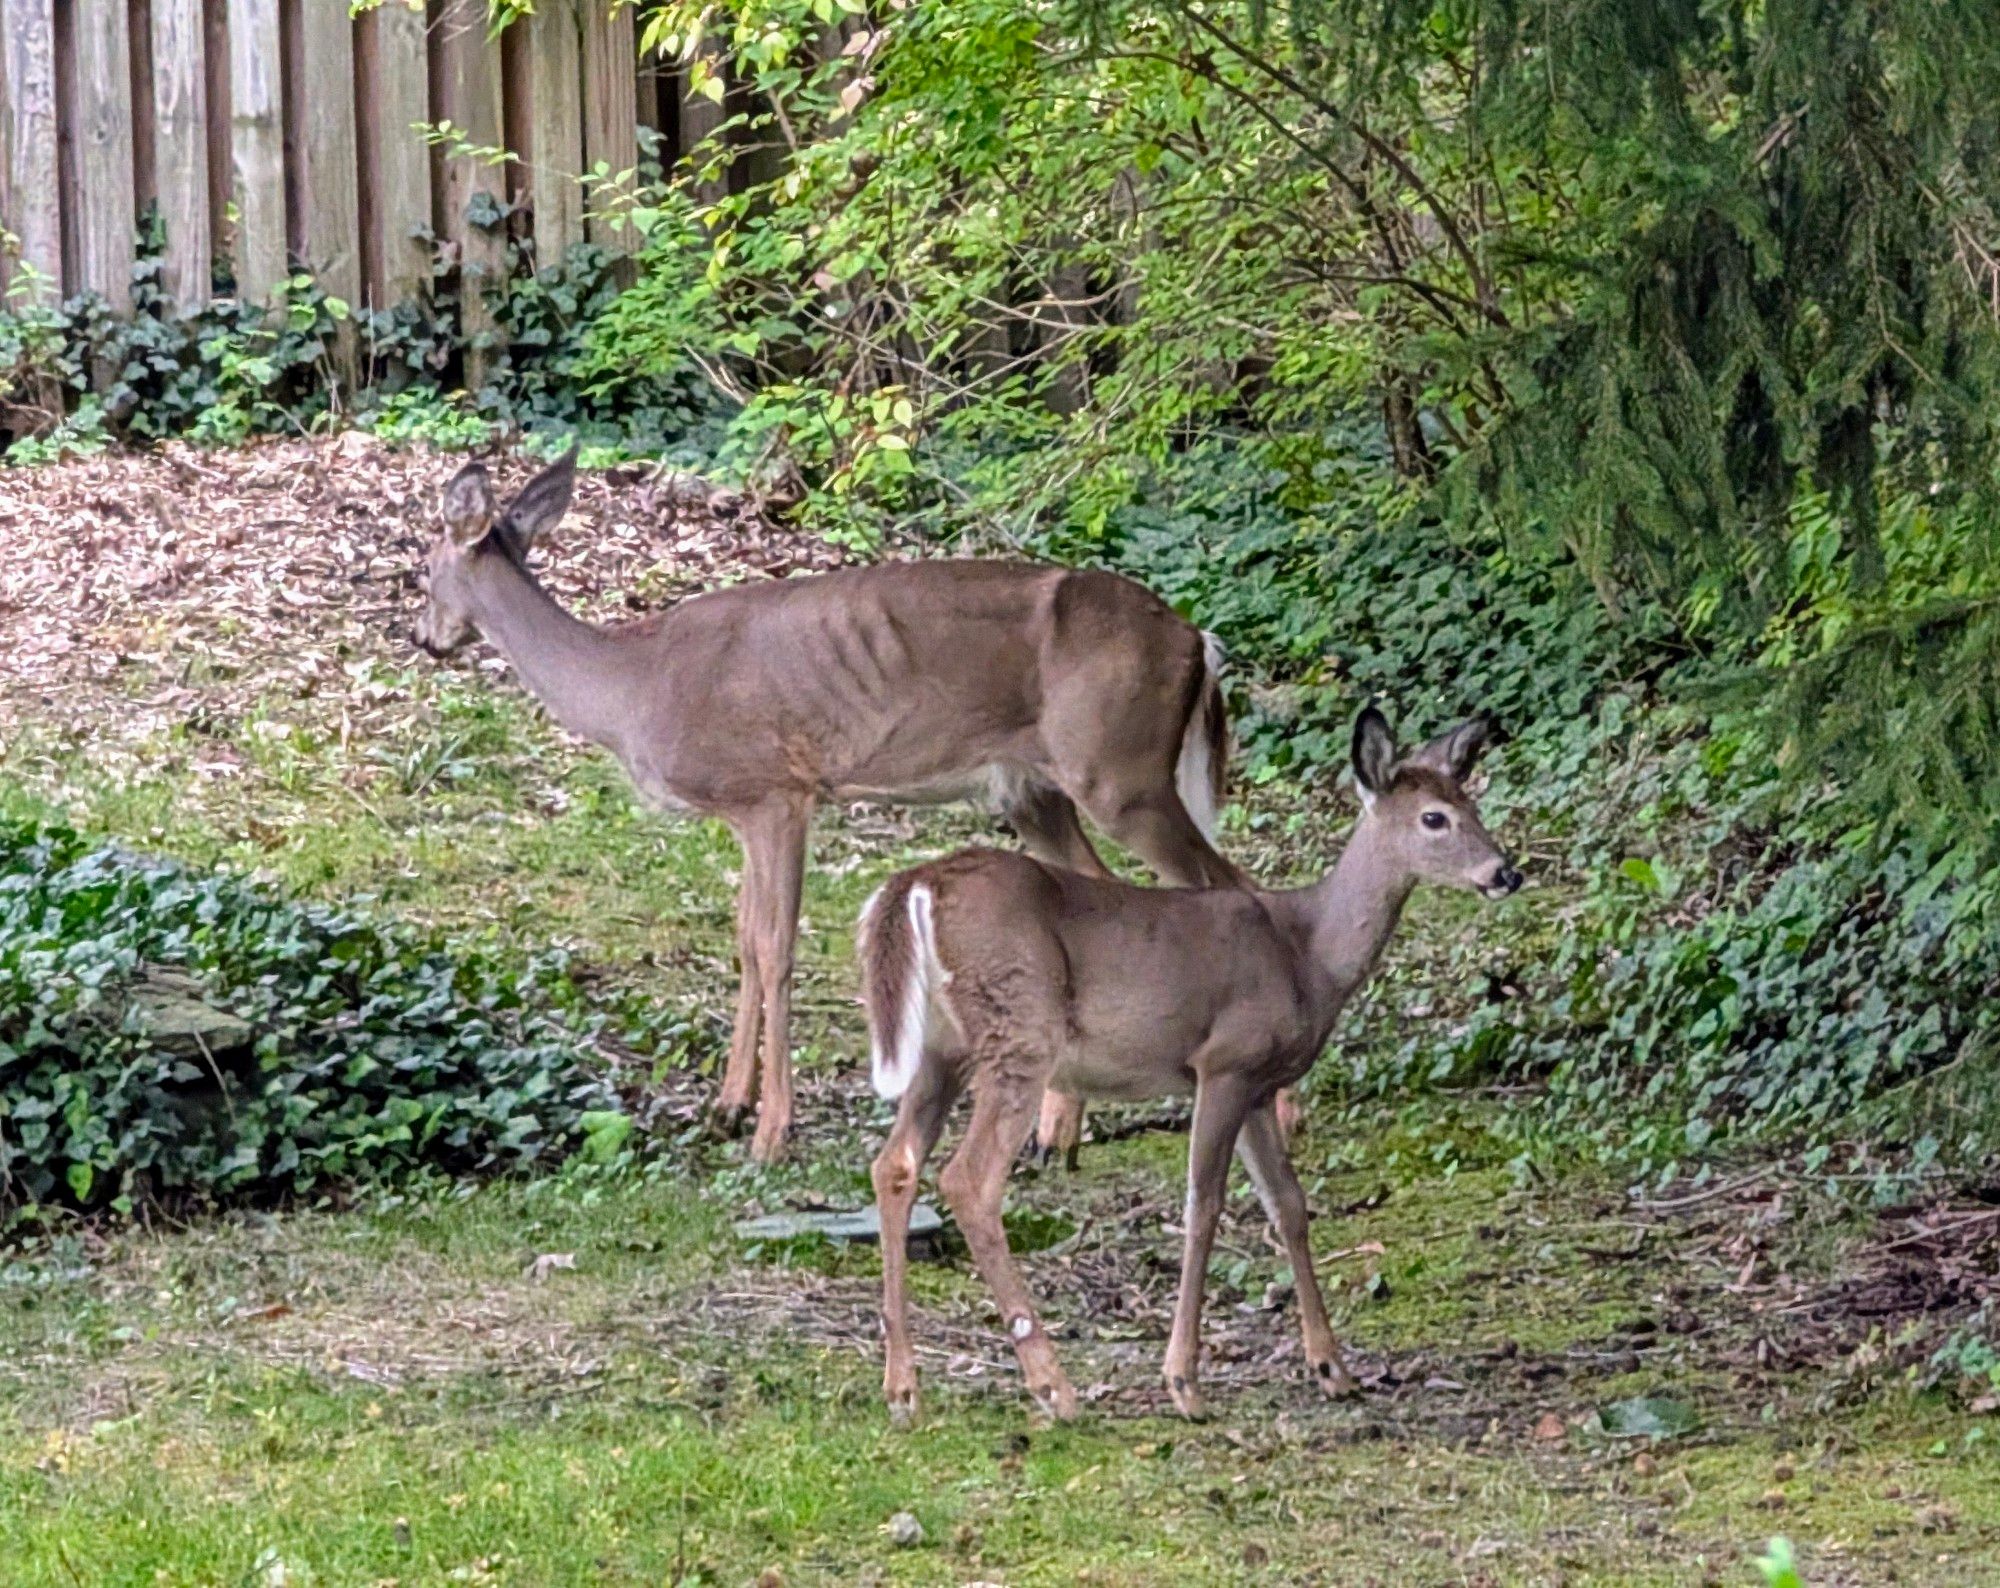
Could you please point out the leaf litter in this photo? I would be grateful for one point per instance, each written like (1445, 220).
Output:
(176, 588)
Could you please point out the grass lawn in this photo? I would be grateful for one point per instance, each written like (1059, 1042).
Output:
(400, 1393)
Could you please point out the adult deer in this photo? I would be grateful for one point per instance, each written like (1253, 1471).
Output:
(997, 973)
(1045, 688)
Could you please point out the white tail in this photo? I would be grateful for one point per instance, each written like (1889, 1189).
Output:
(916, 981)
(1204, 744)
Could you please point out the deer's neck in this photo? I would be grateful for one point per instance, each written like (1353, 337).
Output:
(568, 665)
(1350, 915)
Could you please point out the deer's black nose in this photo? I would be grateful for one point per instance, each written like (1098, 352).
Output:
(1509, 880)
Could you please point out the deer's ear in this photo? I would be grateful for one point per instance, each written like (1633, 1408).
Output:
(469, 505)
(543, 500)
(1374, 754)
(1456, 753)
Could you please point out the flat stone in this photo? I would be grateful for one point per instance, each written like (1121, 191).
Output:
(171, 1010)
(856, 1225)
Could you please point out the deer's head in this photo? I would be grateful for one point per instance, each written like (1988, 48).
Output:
(1416, 809)
(475, 528)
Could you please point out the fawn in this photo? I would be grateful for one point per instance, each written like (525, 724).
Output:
(998, 973)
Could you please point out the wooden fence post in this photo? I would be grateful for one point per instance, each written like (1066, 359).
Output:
(330, 208)
(30, 203)
(469, 96)
(553, 147)
(392, 102)
(98, 226)
(180, 149)
(257, 148)
(610, 120)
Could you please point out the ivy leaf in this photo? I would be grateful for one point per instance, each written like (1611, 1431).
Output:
(1648, 1417)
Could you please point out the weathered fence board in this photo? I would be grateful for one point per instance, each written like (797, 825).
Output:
(281, 134)
(94, 49)
(215, 50)
(180, 147)
(610, 120)
(139, 32)
(466, 91)
(392, 96)
(553, 148)
(257, 147)
(29, 181)
(700, 118)
(330, 221)
(332, 209)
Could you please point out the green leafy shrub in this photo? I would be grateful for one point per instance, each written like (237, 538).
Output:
(370, 1052)
(218, 376)
(1347, 596)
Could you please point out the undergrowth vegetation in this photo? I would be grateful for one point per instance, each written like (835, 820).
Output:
(1738, 956)
(78, 378)
(173, 1038)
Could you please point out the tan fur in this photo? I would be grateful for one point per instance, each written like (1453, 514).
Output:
(915, 680)
(1094, 988)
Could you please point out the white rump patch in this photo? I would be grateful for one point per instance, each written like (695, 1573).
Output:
(894, 1070)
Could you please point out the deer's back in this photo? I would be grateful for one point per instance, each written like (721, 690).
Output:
(902, 680)
(1136, 989)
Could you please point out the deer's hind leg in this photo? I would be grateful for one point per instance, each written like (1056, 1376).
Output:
(975, 1184)
(897, 1170)
(783, 829)
(1045, 818)
(1154, 824)
(1058, 1131)
(1046, 821)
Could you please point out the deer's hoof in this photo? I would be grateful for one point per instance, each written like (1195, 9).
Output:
(1334, 1381)
(1039, 1156)
(902, 1407)
(1187, 1397)
(1056, 1399)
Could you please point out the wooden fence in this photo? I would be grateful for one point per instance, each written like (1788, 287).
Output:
(282, 133)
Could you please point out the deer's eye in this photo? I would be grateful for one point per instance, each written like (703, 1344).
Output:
(1436, 821)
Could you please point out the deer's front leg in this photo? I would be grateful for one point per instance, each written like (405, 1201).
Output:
(733, 1104)
(1262, 1147)
(1220, 1102)
(777, 936)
